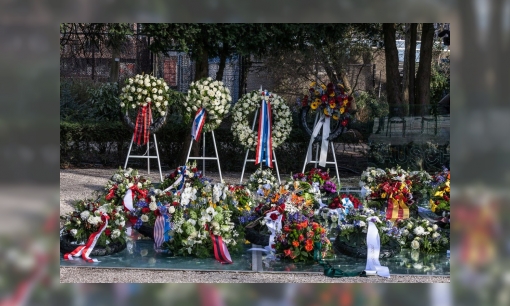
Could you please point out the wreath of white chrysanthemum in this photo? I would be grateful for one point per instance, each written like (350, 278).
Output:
(141, 90)
(211, 95)
(247, 104)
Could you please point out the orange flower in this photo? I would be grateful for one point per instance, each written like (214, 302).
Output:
(295, 243)
(308, 247)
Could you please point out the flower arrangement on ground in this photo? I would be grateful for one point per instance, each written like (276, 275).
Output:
(300, 239)
(248, 104)
(320, 177)
(86, 220)
(212, 96)
(145, 90)
(189, 173)
(239, 201)
(423, 236)
(330, 100)
(124, 180)
(331, 216)
(440, 201)
(192, 228)
(261, 177)
(145, 212)
(390, 186)
(421, 184)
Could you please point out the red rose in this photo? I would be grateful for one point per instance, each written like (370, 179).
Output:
(286, 229)
(273, 216)
(175, 203)
(344, 122)
(157, 213)
(108, 232)
(324, 98)
(145, 210)
(301, 238)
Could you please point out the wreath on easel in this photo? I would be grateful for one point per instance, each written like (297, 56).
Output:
(151, 96)
(248, 104)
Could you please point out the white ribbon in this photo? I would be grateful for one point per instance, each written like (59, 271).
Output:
(176, 183)
(373, 249)
(274, 226)
(324, 124)
(128, 200)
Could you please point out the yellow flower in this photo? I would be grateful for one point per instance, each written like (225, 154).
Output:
(323, 87)
(326, 112)
(383, 195)
(439, 193)
(313, 84)
(332, 94)
(433, 206)
(332, 104)
(345, 102)
(335, 116)
(314, 105)
(342, 110)
(447, 183)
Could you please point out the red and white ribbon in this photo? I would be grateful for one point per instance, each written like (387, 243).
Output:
(264, 139)
(198, 124)
(142, 126)
(85, 250)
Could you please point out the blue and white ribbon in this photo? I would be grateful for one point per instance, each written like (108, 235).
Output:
(373, 266)
(198, 124)
(178, 185)
(264, 141)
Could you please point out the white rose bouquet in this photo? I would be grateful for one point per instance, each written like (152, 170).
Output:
(212, 96)
(144, 90)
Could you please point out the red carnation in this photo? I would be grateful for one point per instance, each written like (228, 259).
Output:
(324, 98)
(175, 203)
(301, 237)
(108, 232)
(145, 210)
(157, 213)
(344, 122)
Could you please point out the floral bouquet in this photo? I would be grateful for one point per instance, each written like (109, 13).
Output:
(239, 201)
(124, 180)
(149, 94)
(331, 216)
(440, 201)
(351, 239)
(211, 96)
(183, 174)
(421, 183)
(242, 127)
(301, 240)
(421, 235)
(145, 212)
(88, 218)
(192, 229)
(330, 100)
(261, 177)
(320, 178)
(392, 186)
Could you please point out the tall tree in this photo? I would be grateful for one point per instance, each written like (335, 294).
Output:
(392, 73)
(422, 94)
(409, 65)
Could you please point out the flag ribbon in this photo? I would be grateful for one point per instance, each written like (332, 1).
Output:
(179, 182)
(162, 227)
(397, 209)
(142, 126)
(85, 250)
(220, 248)
(198, 124)
(264, 139)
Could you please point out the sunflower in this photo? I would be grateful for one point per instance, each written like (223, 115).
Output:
(342, 110)
(314, 105)
(326, 112)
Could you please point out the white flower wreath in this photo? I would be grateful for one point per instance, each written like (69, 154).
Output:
(241, 128)
(211, 95)
(143, 89)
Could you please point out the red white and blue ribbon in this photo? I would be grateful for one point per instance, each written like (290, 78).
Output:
(198, 124)
(179, 182)
(220, 248)
(264, 141)
(85, 250)
(162, 227)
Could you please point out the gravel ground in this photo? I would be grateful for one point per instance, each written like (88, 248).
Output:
(76, 184)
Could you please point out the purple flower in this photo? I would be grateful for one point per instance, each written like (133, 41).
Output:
(329, 187)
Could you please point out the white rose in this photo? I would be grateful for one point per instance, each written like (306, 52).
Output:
(130, 98)
(132, 89)
(138, 89)
(144, 92)
(144, 218)
(133, 105)
(130, 80)
(160, 92)
(171, 209)
(162, 113)
(153, 206)
(160, 98)
(165, 103)
(74, 232)
(148, 100)
(158, 82)
(154, 84)
(122, 104)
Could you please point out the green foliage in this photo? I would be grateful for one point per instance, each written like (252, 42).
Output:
(439, 83)
(104, 102)
(370, 106)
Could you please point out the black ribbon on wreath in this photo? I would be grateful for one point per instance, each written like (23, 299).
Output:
(142, 127)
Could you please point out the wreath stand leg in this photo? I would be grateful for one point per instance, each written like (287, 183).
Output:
(330, 144)
(145, 155)
(203, 157)
(253, 160)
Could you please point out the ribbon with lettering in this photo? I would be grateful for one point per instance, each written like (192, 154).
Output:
(396, 209)
(198, 124)
(85, 250)
(373, 266)
(220, 248)
(142, 126)
(162, 226)
(323, 123)
(264, 138)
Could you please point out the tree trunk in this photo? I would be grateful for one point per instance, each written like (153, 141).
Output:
(424, 69)
(392, 74)
(412, 66)
(223, 61)
(115, 65)
(409, 67)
